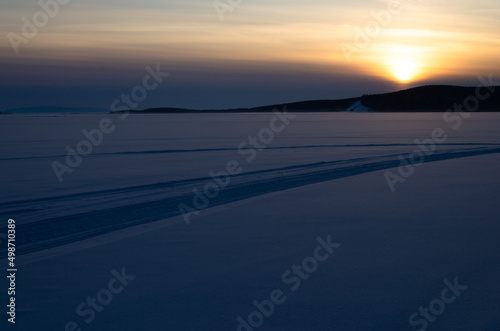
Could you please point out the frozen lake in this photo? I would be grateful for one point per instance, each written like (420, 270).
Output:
(412, 199)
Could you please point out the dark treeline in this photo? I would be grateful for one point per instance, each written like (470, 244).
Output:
(432, 98)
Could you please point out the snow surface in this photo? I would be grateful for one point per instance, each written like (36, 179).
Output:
(323, 175)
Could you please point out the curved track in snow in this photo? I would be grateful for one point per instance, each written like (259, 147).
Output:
(125, 207)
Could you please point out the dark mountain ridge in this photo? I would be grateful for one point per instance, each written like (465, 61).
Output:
(430, 98)
(434, 98)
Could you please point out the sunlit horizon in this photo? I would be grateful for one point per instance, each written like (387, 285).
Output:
(259, 53)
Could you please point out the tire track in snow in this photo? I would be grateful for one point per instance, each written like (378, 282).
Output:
(173, 151)
(57, 231)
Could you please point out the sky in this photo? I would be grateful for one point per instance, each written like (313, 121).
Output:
(238, 53)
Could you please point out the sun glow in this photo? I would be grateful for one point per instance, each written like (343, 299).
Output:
(405, 63)
(404, 69)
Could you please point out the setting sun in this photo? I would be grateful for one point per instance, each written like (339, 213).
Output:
(404, 69)
(402, 63)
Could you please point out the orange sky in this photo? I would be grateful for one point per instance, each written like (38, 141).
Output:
(410, 42)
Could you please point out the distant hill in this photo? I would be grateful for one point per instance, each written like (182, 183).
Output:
(58, 110)
(432, 98)
(429, 98)
(316, 106)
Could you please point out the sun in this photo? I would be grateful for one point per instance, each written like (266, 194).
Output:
(403, 63)
(404, 69)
